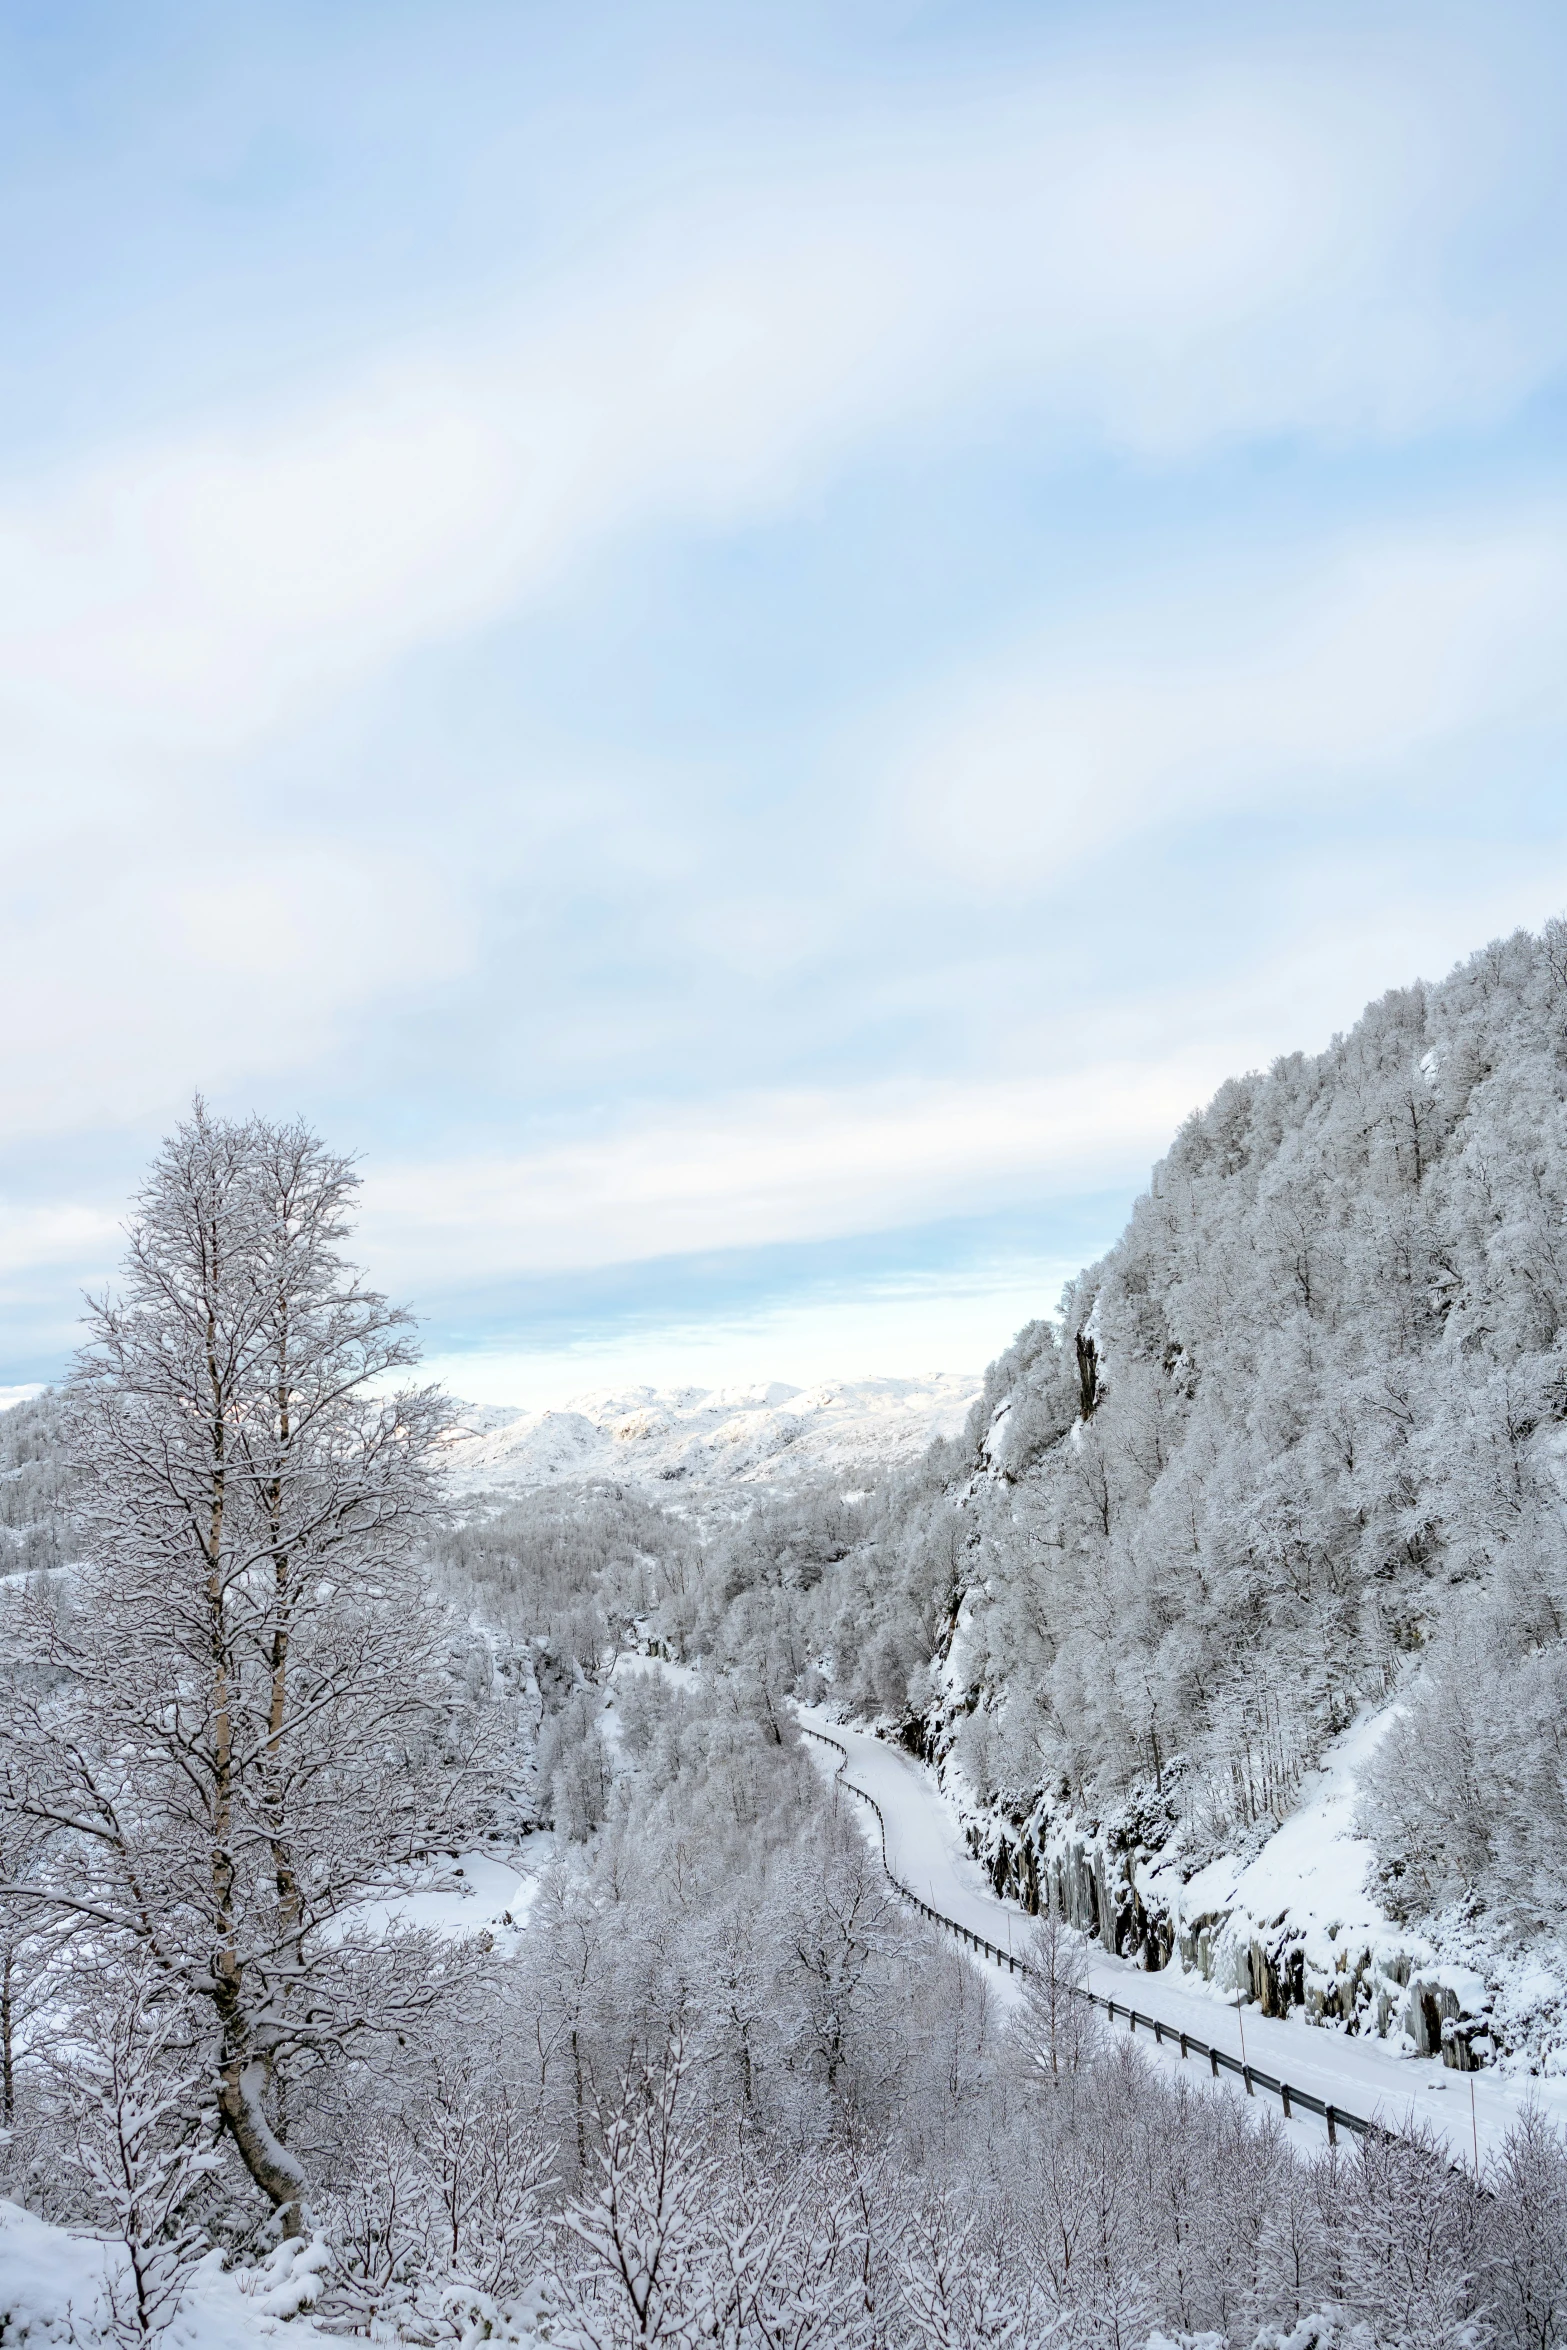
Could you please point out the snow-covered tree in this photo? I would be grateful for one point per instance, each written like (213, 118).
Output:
(1059, 2024)
(236, 1720)
(647, 2274)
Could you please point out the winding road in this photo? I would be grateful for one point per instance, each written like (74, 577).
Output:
(926, 1851)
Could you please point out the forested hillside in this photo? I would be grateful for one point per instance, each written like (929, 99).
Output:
(1299, 1445)
(33, 1483)
(1292, 1451)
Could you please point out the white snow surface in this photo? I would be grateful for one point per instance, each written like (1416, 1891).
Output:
(1315, 1864)
(1317, 1869)
(927, 1852)
(672, 1441)
(476, 1893)
(52, 2290)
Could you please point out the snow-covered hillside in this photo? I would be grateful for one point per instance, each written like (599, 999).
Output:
(695, 1437)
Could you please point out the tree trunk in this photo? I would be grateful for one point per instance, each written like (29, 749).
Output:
(7, 2038)
(275, 2171)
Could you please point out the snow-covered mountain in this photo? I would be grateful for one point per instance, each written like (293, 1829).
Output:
(696, 1438)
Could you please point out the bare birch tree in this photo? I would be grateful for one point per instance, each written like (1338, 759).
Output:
(237, 1720)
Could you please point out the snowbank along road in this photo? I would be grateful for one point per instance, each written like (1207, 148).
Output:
(925, 1852)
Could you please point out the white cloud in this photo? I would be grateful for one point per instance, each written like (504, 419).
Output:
(777, 1167)
(148, 969)
(1290, 677)
(753, 1170)
(1155, 258)
(1101, 1100)
(69, 1234)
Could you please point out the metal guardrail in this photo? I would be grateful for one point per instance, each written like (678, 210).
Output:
(1219, 2059)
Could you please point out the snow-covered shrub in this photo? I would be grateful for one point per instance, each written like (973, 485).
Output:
(138, 2132)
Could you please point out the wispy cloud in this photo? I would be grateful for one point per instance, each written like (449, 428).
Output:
(1156, 259)
(784, 1167)
(1262, 684)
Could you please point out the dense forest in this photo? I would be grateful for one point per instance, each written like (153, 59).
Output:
(1298, 1445)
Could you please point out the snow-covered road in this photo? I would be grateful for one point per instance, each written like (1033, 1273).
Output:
(925, 1849)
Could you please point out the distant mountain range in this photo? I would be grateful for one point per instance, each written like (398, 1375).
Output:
(696, 1438)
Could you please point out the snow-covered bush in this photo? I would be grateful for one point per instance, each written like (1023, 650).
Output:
(138, 2114)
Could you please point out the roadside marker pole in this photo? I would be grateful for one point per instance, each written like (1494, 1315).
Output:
(1245, 2067)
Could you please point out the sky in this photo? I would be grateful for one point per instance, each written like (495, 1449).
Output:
(750, 645)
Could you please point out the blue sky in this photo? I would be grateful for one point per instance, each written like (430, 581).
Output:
(751, 644)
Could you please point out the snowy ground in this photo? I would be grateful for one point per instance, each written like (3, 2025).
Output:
(1318, 1874)
(926, 1849)
(696, 1438)
(477, 1893)
(1315, 1865)
(52, 2290)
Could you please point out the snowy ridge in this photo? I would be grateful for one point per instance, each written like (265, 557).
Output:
(699, 1438)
